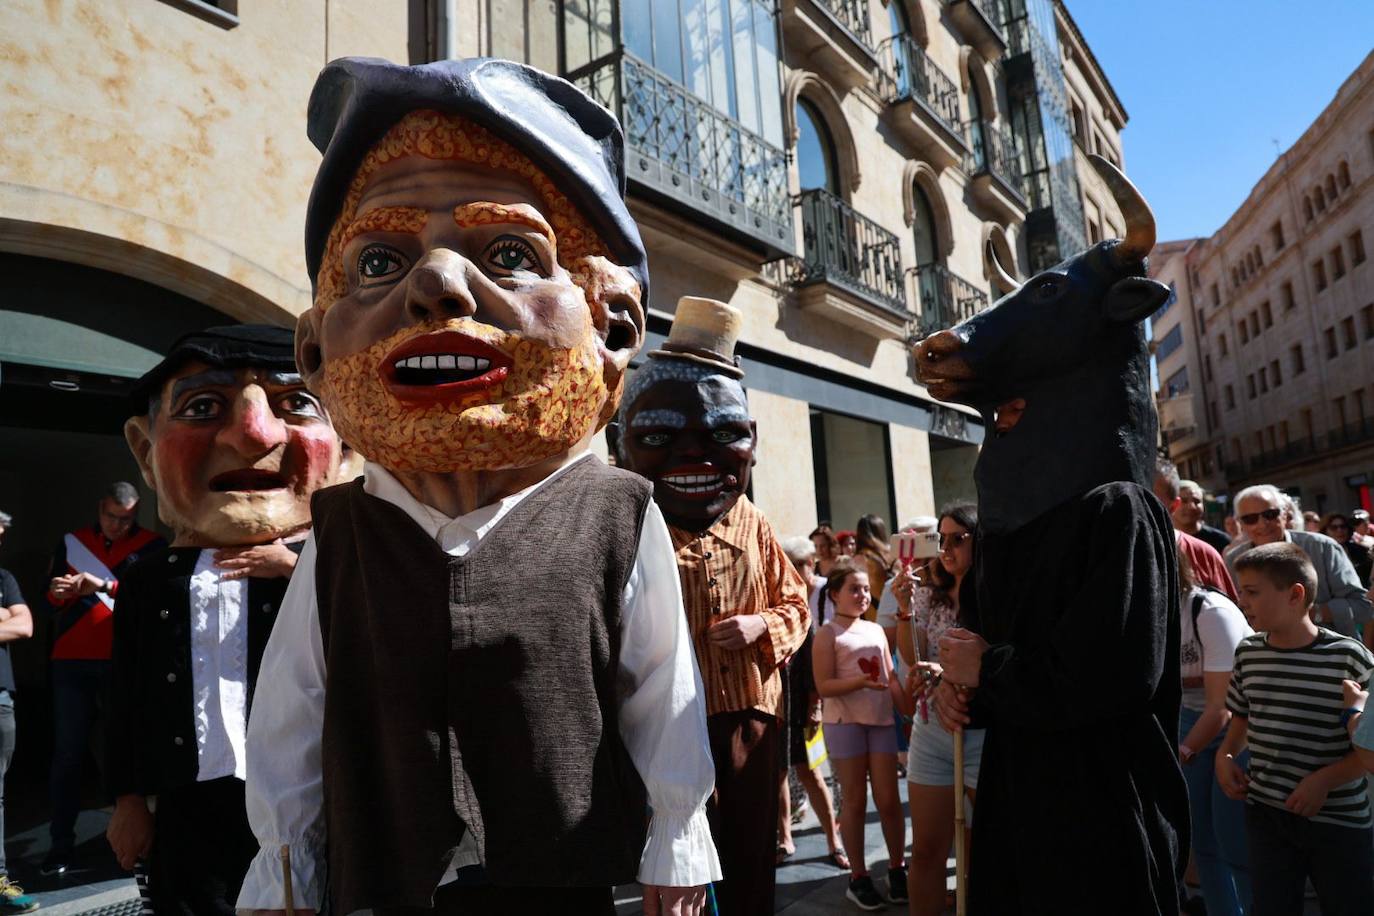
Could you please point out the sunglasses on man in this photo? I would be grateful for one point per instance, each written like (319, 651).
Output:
(1269, 515)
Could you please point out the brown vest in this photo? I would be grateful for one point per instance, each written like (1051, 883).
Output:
(478, 692)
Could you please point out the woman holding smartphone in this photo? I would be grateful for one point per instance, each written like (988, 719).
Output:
(853, 671)
(928, 604)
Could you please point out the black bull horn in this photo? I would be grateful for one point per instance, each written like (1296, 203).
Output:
(1140, 222)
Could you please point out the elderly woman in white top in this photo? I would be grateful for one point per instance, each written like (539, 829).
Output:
(1262, 514)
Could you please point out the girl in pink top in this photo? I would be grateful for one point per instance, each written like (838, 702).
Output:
(853, 669)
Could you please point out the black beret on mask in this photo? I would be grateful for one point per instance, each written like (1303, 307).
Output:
(571, 138)
(233, 346)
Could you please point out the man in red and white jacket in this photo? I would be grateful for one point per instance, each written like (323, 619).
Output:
(86, 568)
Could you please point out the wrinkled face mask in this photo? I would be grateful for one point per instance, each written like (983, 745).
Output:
(454, 326)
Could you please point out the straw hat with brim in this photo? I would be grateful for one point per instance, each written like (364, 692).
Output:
(704, 331)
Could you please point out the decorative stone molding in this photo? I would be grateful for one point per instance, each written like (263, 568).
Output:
(50, 224)
(921, 173)
(805, 84)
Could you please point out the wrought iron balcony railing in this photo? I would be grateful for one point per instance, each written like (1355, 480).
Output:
(994, 151)
(906, 72)
(1284, 454)
(980, 21)
(943, 298)
(843, 247)
(1355, 433)
(679, 145)
(853, 15)
(990, 10)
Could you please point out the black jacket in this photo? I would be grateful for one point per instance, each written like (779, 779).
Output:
(151, 746)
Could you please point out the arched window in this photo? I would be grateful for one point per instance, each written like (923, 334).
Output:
(1344, 175)
(1330, 187)
(816, 163)
(923, 228)
(1319, 199)
(902, 43)
(1307, 208)
(975, 116)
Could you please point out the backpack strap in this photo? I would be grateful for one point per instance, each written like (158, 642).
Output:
(1198, 600)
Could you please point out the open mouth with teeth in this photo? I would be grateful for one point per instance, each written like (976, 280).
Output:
(247, 480)
(697, 482)
(435, 367)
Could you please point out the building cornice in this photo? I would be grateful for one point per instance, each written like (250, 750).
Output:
(1096, 76)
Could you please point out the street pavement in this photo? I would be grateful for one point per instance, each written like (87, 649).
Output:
(808, 884)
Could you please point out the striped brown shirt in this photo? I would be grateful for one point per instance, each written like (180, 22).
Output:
(737, 567)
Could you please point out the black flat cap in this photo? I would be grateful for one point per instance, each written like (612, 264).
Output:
(571, 138)
(229, 347)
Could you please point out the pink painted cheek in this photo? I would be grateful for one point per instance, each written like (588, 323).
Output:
(311, 453)
(181, 453)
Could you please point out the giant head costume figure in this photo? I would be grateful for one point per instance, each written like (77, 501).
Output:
(231, 440)
(685, 423)
(1060, 372)
(478, 280)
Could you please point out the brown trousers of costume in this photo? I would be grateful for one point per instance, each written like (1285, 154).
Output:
(490, 900)
(744, 809)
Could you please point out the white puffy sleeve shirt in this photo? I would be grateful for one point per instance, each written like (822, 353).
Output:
(662, 714)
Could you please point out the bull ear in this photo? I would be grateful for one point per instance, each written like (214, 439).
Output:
(1131, 299)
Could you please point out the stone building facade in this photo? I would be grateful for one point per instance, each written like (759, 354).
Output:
(1272, 334)
(837, 169)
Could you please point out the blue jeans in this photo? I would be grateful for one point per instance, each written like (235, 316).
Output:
(1219, 842)
(6, 752)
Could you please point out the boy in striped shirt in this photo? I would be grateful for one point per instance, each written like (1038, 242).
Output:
(1308, 814)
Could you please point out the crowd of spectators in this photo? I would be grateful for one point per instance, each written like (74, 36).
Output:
(1233, 576)
(1272, 806)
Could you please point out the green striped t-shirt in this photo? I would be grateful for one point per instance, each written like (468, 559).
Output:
(1293, 701)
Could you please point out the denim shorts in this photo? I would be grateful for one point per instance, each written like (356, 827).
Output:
(930, 758)
(844, 740)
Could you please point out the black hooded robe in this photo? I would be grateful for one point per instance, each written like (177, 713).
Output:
(1081, 804)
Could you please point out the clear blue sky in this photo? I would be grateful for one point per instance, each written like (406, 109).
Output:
(1207, 93)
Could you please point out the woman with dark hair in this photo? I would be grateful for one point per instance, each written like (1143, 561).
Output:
(827, 549)
(1337, 526)
(1211, 628)
(853, 671)
(926, 611)
(873, 555)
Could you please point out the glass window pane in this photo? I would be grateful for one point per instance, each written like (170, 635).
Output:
(636, 21)
(577, 32)
(923, 226)
(722, 62)
(697, 77)
(770, 89)
(815, 153)
(854, 480)
(667, 48)
(742, 34)
(896, 18)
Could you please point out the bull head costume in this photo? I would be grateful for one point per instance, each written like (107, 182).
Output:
(1071, 334)
(1070, 656)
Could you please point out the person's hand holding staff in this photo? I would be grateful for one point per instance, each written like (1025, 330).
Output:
(286, 880)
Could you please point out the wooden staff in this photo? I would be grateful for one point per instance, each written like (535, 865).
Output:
(960, 885)
(286, 880)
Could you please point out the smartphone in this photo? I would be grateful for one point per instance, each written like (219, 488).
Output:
(916, 545)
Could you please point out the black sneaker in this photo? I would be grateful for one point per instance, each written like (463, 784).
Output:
(863, 894)
(896, 885)
(55, 863)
